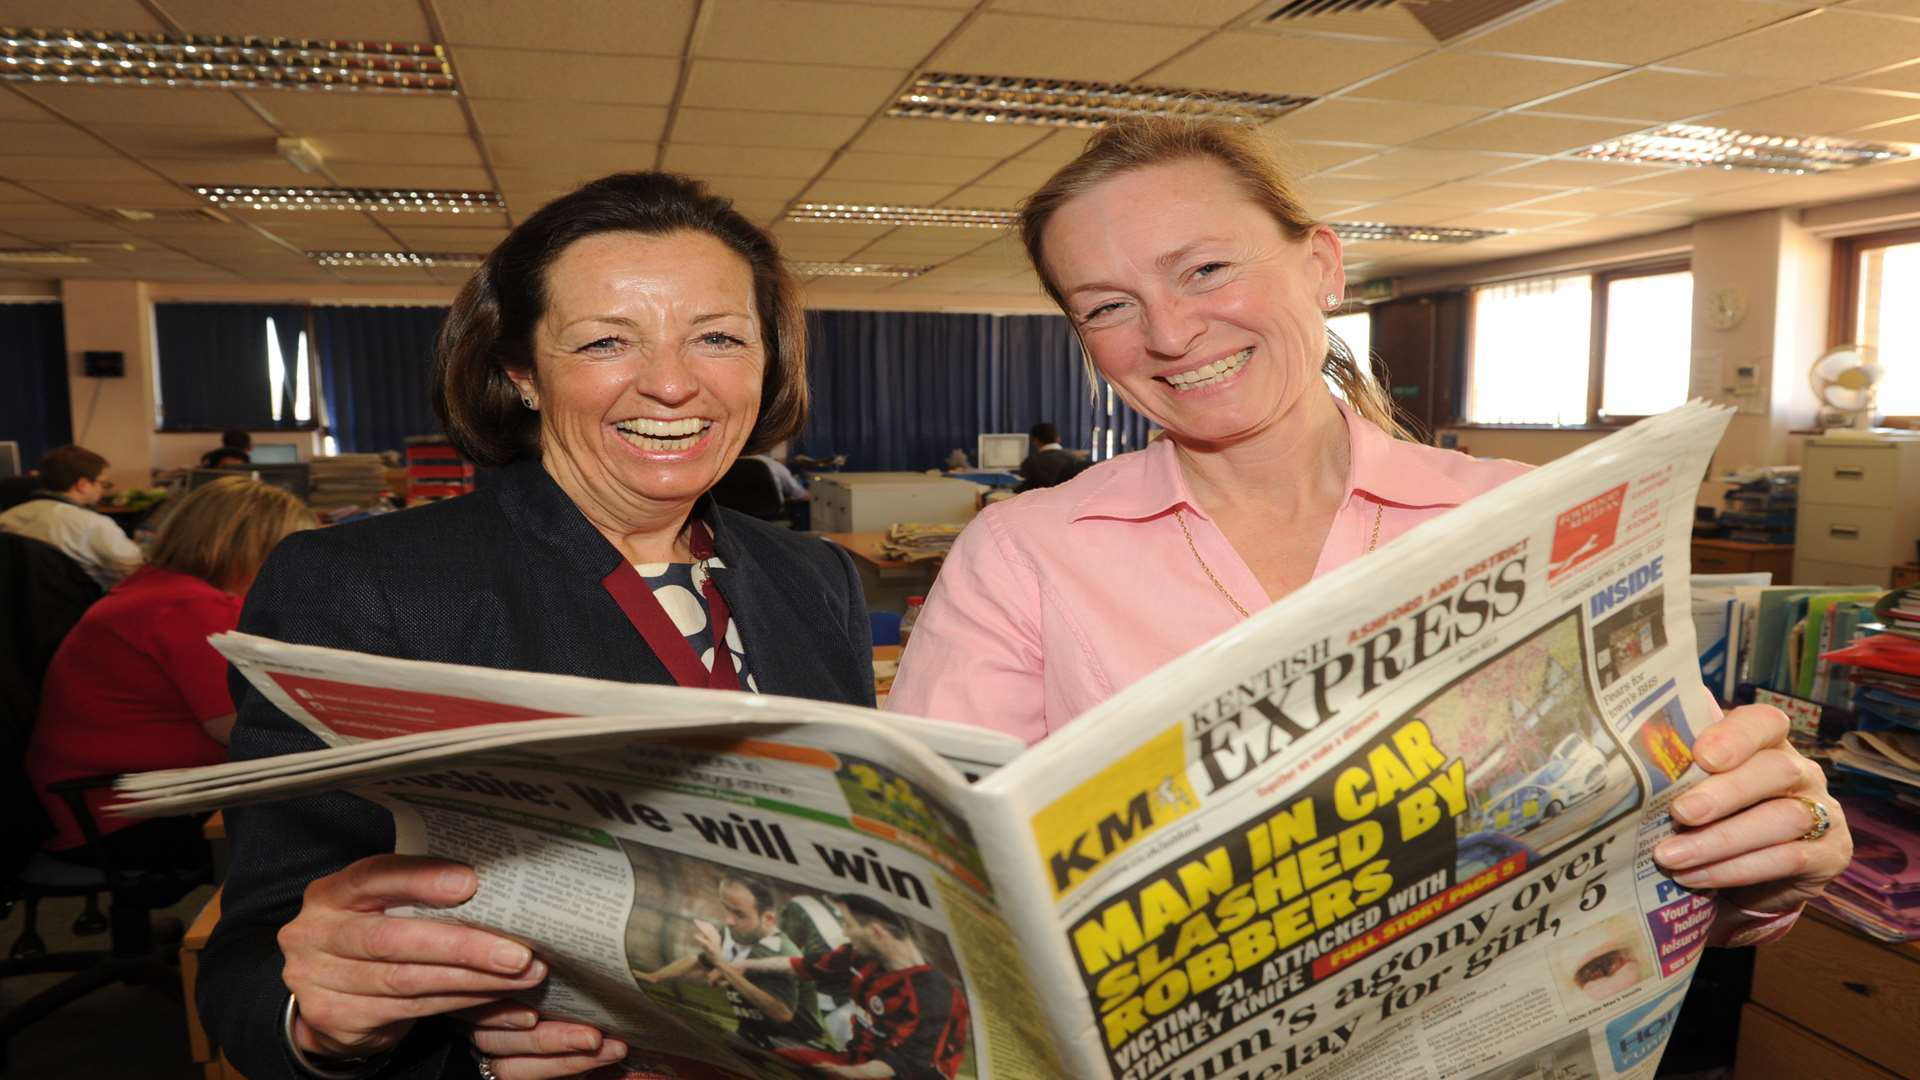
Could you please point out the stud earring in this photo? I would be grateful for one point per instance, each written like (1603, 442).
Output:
(528, 402)
(1333, 301)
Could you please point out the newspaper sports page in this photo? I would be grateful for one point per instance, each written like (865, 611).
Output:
(1399, 824)
(1395, 826)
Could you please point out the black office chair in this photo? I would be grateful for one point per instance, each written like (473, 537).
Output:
(135, 954)
(750, 488)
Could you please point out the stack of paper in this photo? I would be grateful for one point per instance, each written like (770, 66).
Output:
(913, 542)
(1880, 890)
(347, 480)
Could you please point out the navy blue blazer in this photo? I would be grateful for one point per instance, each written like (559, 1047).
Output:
(508, 577)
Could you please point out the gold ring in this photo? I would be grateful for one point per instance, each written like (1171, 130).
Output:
(1821, 820)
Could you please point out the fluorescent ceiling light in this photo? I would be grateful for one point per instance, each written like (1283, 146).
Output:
(397, 200)
(35, 256)
(1411, 234)
(396, 259)
(848, 269)
(1726, 148)
(958, 217)
(222, 62)
(1008, 99)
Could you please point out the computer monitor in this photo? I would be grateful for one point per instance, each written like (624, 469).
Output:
(10, 460)
(1001, 451)
(275, 453)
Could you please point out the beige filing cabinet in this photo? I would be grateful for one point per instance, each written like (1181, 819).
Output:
(869, 502)
(1859, 510)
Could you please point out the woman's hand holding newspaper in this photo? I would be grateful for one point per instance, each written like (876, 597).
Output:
(1749, 828)
(362, 978)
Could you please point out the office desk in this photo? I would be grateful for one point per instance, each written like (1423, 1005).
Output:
(1712, 555)
(886, 582)
(886, 659)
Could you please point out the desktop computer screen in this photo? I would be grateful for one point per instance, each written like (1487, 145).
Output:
(1001, 451)
(297, 478)
(275, 453)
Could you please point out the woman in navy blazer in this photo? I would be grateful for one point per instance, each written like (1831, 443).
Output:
(612, 357)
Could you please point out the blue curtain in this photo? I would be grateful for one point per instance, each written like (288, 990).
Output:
(33, 353)
(375, 370)
(898, 390)
(212, 360)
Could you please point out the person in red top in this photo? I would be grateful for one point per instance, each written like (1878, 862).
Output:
(912, 1020)
(135, 685)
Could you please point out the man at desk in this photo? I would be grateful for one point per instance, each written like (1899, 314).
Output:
(63, 516)
(1049, 463)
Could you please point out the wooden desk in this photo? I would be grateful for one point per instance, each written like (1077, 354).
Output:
(1906, 574)
(1713, 556)
(212, 1062)
(1830, 1002)
(886, 582)
(215, 827)
(883, 655)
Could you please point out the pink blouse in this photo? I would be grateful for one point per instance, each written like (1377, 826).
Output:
(1054, 601)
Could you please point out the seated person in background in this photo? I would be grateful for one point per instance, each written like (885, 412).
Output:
(769, 1005)
(135, 686)
(234, 452)
(1049, 461)
(61, 515)
(791, 489)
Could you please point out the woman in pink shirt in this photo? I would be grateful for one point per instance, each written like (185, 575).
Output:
(1199, 287)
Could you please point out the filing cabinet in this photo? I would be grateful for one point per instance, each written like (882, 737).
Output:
(869, 502)
(1859, 510)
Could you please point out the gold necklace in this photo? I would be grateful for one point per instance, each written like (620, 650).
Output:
(1378, 509)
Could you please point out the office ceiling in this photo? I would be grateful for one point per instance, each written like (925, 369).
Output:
(776, 102)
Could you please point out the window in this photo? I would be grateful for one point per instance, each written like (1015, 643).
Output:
(1356, 330)
(1883, 277)
(231, 367)
(1535, 357)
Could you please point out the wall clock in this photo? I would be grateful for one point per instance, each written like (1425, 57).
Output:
(1726, 307)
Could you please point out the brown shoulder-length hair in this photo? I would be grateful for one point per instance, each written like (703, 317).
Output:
(222, 533)
(1126, 145)
(489, 331)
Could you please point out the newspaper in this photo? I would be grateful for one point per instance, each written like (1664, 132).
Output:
(1398, 825)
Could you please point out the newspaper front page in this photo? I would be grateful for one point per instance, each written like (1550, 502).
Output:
(1397, 825)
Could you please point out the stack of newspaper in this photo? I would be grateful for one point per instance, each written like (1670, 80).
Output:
(914, 542)
(1398, 825)
(346, 480)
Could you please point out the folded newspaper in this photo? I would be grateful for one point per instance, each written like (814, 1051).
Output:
(1397, 825)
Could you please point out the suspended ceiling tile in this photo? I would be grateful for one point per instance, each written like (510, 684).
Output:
(902, 135)
(571, 119)
(368, 148)
(376, 20)
(1566, 173)
(1002, 44)
(804, 32)
(1478, 196)
(149, 196)
(1059, 147)
(300, 113)
(1305, 158)
(1819, 110)
(810, 231)
(1368, 121)
(63, 139)
(252, 170)
(186, 107)
(757, 189)
(529, 75)
(631, 27)
(746, 161)
(102, 170)
(987, 197)
(1517, 220)
(923, 245)
(1904, 77)
(1279, 63)
(1466, 78)
(438, 177)
(155, 143)
(549, 177)
(1905, 131)
(1613, 200)
(1625, 31)
(872, 192)
(1818, 46)
(1396, 22)
(799, 88)
(1528, 134)
(1433, 166)
(1020, 174)
(1664, 96)
(820, 248)
(579, 158)
(450, 221)
(82, 15)
(1207, 13)
(62, 232)
(1399, 213)
(736, 127)
(913, 168)
(420, 238)
(1342, 188)
(1694, 182)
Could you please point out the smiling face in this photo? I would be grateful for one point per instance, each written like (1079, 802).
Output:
(1192, 300)
(647, 371)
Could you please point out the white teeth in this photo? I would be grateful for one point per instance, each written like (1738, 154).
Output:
(1211, 373)
(663, 429)
(663, 435)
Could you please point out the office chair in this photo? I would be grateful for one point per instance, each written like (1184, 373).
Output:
(134, 955)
